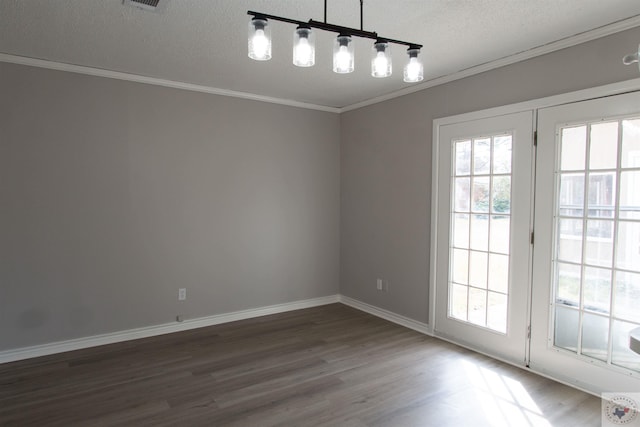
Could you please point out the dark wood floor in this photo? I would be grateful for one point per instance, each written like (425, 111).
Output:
(329, 366)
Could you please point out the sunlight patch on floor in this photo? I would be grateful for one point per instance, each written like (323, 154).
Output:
(504, 401)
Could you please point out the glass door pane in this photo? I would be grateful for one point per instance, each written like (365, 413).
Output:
(481, 232)
(597, 243)
(482, 265)
(586, 261)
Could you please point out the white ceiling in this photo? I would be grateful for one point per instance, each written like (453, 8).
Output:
(204, 42)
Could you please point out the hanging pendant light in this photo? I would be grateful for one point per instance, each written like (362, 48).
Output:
(343, 57)
(343, 47)
(414, 70)
(381, 59)
(259, 39)
(304, 50)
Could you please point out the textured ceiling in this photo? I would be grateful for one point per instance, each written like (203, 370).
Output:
(204, 42)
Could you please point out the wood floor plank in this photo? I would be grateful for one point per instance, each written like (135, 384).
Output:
(324, 366)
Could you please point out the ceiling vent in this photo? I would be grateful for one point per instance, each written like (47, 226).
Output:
(150, 5)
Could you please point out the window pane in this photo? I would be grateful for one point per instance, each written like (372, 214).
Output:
(627, 296)
(497, 312)
(500, 232)
(502, 154)
(480, 195)
(462, 195)
(463, 157)
(630, 195)
(631, 143)
(595, 336)
(570, 240)
(461, 231)
(566, 328)
(596, 301)
(568, 291)
(480, 238)
(628, 246)
(501, 194)
(499, 273)
(458, 300)
(481, 155)
(478, 269)
(478, 306)
(480, 232)
(573, 148)
(622, 355)
(460, 266)
(603, 153)
(572, 194)
(602, 195)
(597, 289)
(599, 249)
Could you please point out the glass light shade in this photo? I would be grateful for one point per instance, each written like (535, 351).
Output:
(414, 70)
(304, 49)
(343, 55)
(381, 59)
(259, 39)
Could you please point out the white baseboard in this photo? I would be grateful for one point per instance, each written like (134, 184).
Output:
(387, 315)
(150, 331)
(132, 334)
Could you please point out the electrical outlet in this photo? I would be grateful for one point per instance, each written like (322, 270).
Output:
(379, 284)
(182, 294)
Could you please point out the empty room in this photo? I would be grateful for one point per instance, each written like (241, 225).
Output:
(319, 213)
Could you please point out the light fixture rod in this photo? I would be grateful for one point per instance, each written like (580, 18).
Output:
(325, 11)
(275, 18)
(361, 19)
(334, 28)
(342, 30)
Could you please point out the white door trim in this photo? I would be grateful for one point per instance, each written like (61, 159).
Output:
(556, 100)
(535, 104)
(550, 101)
(589, 373)
(510, 343)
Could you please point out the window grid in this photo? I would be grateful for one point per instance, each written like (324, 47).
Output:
(604, 206)
(478, 290)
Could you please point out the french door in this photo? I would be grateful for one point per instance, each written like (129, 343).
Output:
(586, 281)
(483, 233)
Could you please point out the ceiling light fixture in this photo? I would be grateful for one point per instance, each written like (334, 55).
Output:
(343, 56)
(304, 49)
(381, 59)
(343, 52)
(414, 70)
(259, 39)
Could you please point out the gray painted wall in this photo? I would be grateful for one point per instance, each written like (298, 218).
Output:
(386, 164)
(115, 194)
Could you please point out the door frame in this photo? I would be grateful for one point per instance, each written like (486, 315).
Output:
(597, 376)
(570, 97)
(512, 343)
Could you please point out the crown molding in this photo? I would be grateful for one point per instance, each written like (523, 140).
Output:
(570, 41)
(118, 75)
